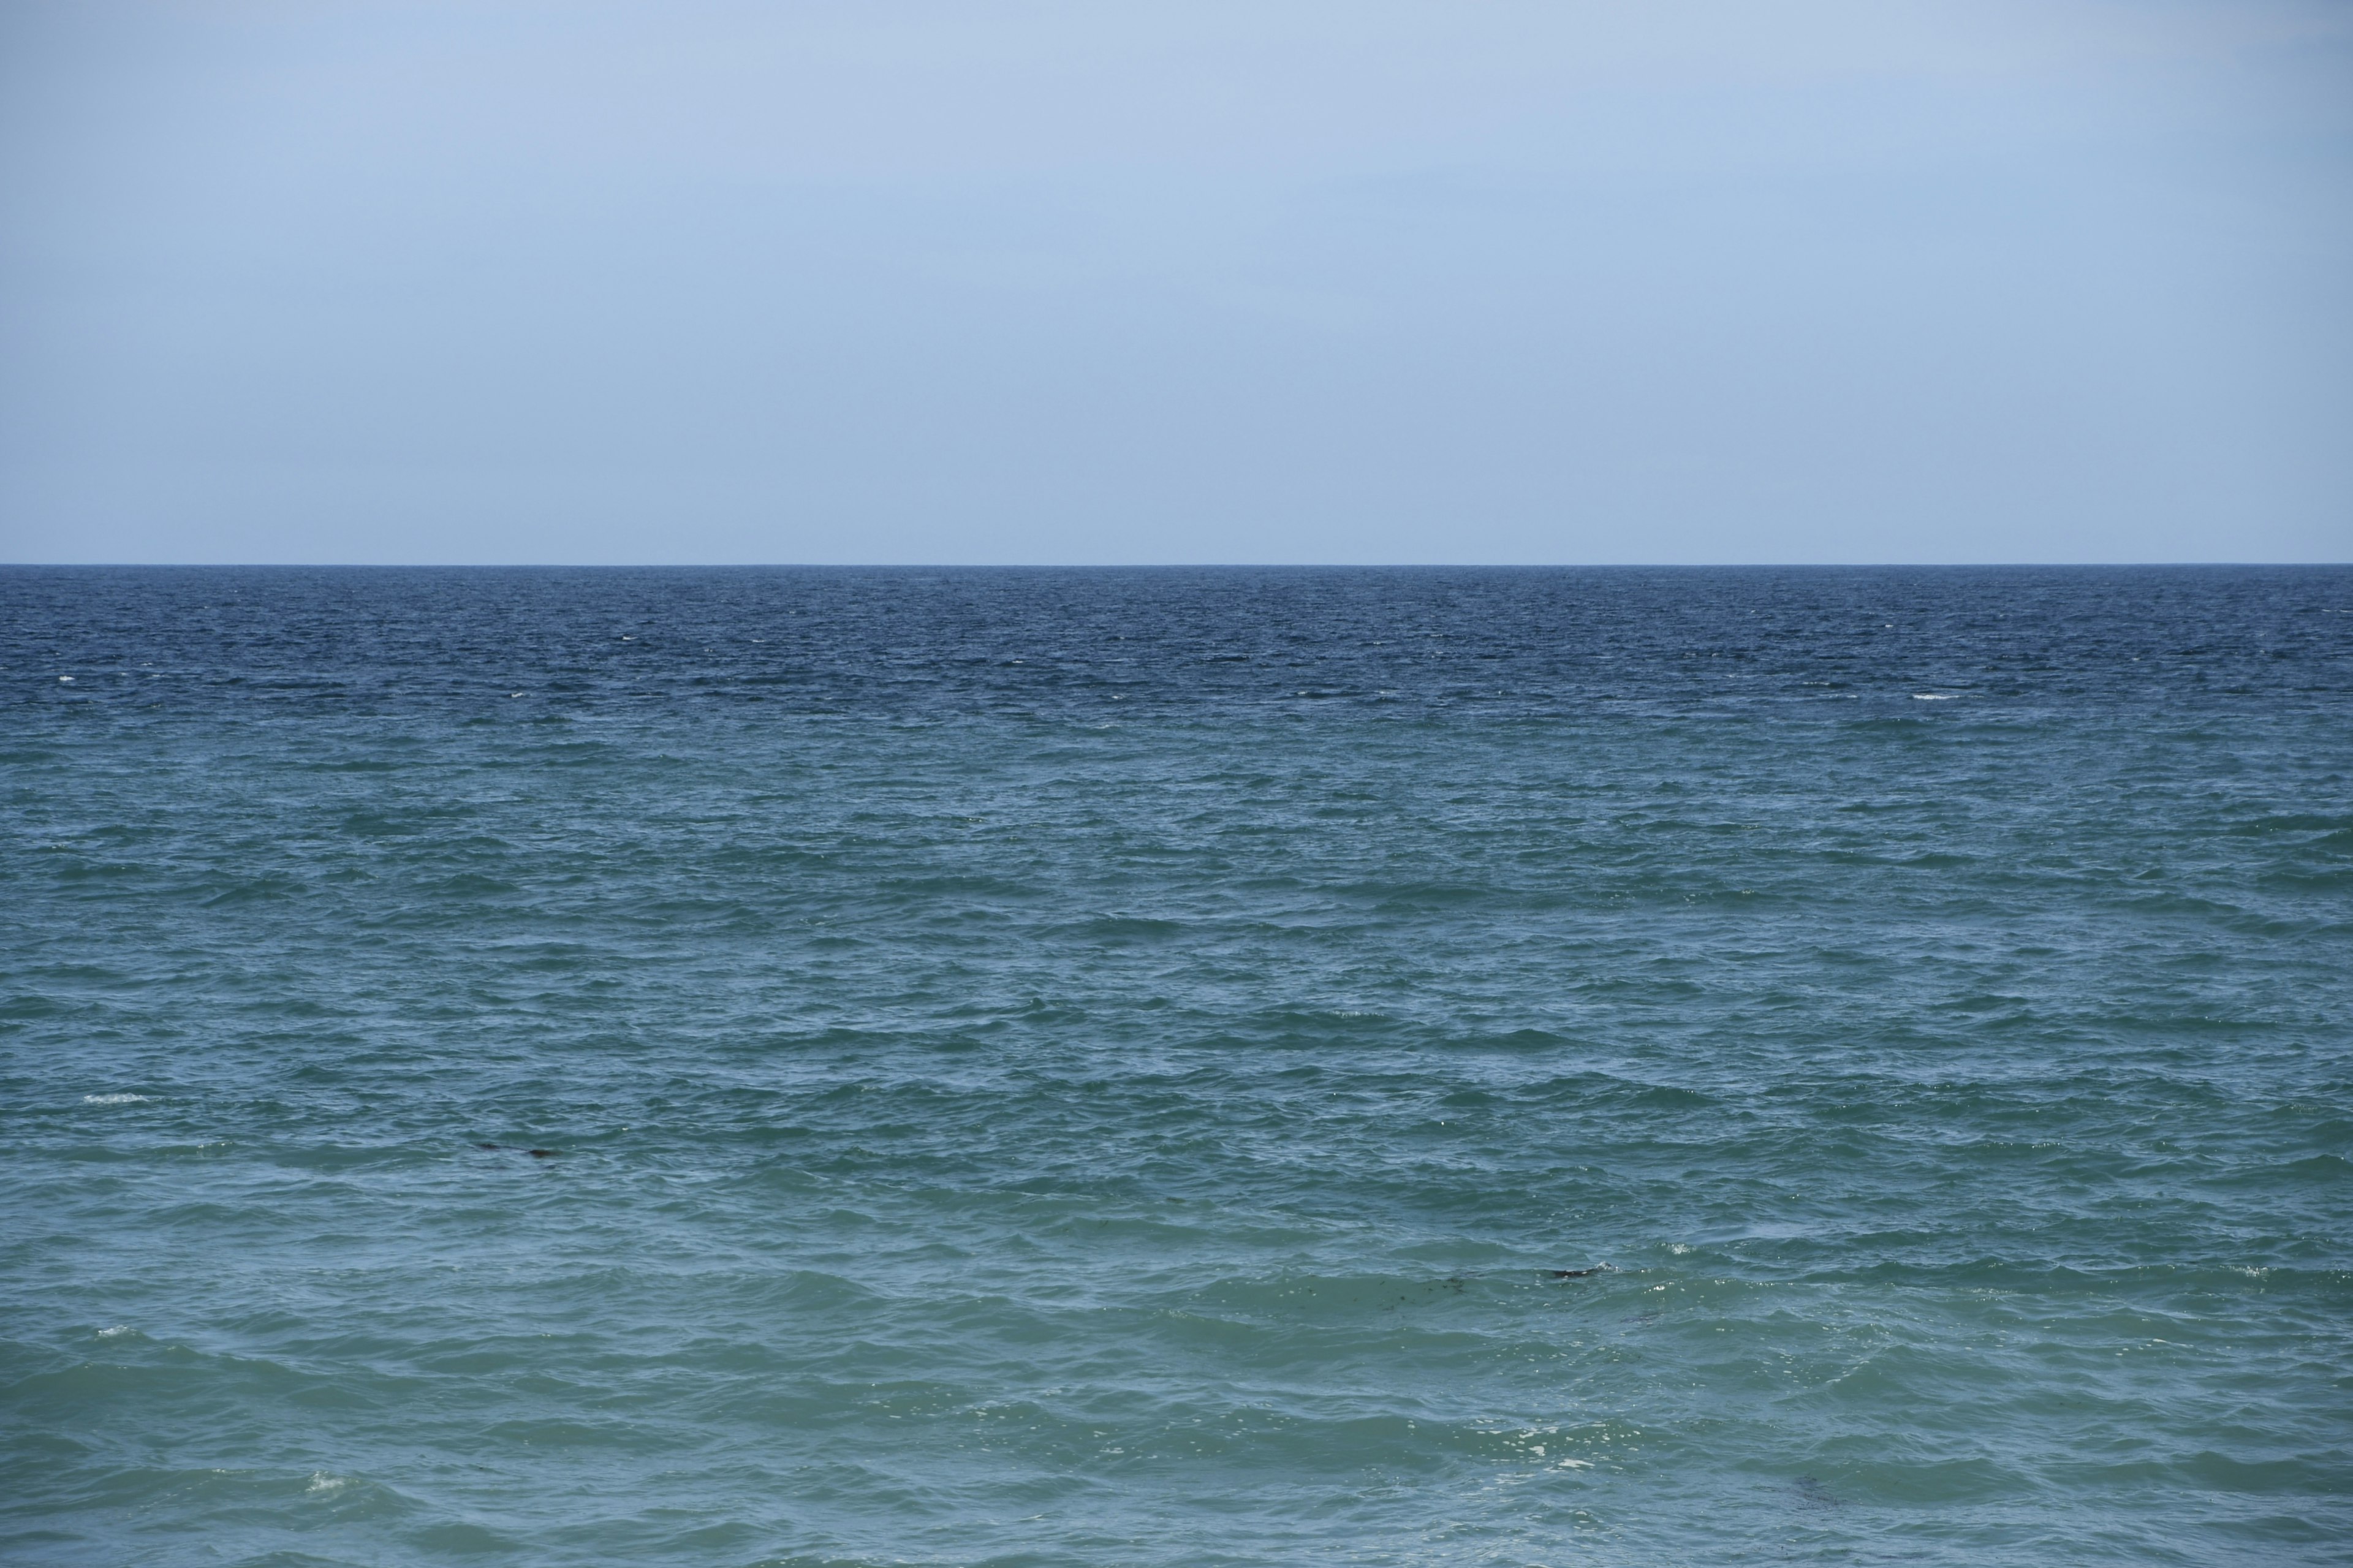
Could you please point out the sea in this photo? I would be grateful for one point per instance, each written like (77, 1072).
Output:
(1176, 1068)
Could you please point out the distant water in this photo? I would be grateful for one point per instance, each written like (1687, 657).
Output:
(1107, 1069)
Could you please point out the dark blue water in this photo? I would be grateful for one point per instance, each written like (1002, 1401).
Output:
(1176, 1068)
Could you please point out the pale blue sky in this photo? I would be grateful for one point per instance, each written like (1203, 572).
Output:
(1394, 280)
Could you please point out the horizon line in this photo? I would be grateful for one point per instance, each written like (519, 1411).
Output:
(1156, 566)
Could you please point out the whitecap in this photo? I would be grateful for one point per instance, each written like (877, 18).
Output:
(117, 1331)
(1935, 696)
(114, 1100)
(322, 1482)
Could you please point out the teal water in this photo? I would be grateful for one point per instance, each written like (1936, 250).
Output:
(1176, 1068)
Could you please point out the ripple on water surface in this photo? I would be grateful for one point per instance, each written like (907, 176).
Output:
(1176, 1068)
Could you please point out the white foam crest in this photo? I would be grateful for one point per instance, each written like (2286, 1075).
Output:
(114, 1100)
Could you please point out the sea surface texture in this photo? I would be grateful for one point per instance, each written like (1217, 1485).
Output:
(1176, 1068)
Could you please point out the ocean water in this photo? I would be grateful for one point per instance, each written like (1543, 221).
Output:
(1175, 1068)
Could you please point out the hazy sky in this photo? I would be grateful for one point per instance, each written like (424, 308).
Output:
(1422, 280)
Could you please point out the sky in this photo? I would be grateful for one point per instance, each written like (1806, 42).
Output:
(1673, 281)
